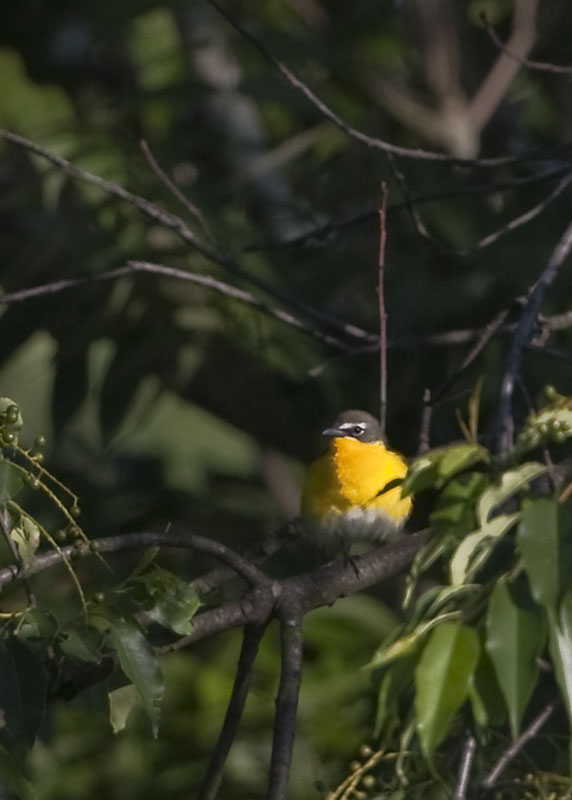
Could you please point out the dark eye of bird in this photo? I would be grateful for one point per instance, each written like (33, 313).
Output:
(357, 430)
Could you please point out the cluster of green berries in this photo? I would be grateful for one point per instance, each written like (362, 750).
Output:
(551, 424)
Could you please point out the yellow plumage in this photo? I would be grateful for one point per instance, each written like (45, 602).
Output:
(343, 494)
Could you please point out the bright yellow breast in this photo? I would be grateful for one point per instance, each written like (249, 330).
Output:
(350, 476)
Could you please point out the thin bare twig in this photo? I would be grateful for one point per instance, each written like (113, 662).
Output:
(525, 62)
(486, 335)
(321, 232)
(176, 224)
(465, 766)
(193, 210)
(523, 219)
(290, 614)
(382, 311)
(250, 644)
(425, 427)
(515, 748)
(354, 133)
(522, 336)
(178, 274)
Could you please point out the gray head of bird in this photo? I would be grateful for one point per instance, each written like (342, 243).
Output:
(357, 425)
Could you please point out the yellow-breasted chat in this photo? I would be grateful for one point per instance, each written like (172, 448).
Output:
(343, 494)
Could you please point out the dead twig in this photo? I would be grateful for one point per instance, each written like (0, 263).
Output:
(515, 748)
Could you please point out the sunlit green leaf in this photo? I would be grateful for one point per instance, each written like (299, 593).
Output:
(140, 665)
(121, 703)
(406, 645)
(560, 641)
(511, 482)
(474, 549)
(26, 536)
(546, 551)
(442, 680)
(460, 456)
(516, 635)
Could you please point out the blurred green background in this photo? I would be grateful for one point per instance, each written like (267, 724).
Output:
(166, 404)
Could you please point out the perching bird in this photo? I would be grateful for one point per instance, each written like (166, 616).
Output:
(343, 494)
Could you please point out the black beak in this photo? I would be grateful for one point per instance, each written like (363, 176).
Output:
(334, 432)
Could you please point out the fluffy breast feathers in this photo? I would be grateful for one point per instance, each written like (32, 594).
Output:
(346, 484)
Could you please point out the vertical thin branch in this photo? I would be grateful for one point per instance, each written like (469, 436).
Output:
(286, 702)
(465, 766)
(522, 336)
(425, 431)
(250, 642)
(382, 312)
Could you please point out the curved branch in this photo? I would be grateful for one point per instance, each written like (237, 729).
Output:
(130, 541)
(321, 587)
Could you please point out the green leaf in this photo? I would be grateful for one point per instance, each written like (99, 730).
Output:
(473, 551)
(437, 466)
(140, 665)
(460, 456)
(516, 635)
(11, 480)
(406, 645)
(168, 600)
(560, 643)
(545, 550)
(442, 681)
(487, 701)
(83, 643)
(511, 482)
(22, 694)
(27, 539)
(423, 473)
(396, 682)
(121, 703)
(454, 512)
